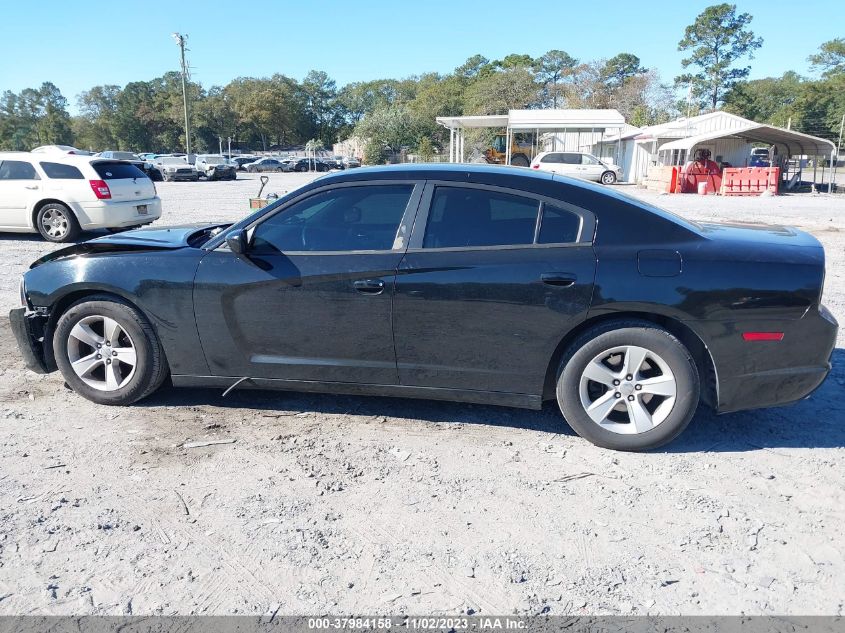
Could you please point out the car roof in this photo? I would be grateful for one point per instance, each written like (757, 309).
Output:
(55, 157)
(481, 173)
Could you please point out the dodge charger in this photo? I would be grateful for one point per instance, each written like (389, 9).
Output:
(466, 283)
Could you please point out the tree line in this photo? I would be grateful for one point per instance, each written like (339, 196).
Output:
(280, 112)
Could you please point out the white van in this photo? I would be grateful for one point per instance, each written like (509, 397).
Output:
(59, 195)
(577, 165)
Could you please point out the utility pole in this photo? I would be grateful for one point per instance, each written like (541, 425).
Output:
(180, 40)
(220, 143)
(836, 159)
(230, 147)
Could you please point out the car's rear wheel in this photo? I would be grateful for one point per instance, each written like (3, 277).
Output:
(57, 223)
(108, 352)
(608, 178)
(520, 160)
(628, 386)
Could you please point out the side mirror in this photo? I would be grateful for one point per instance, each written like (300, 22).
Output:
(238, 242)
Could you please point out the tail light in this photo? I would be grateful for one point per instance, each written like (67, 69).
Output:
(535, 166)
(101, 189)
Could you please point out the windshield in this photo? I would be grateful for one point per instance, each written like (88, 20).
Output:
(214, 160)
(172, 160)
(123, 156)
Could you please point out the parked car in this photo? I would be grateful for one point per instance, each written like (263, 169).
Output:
(175, 168)
(759, 157)
(470, 283)
(263, 164)
(129, 157)
(215, 167)
(350, 162)
(61, 149)
(578, 165)
(333, 163)
(288, 163)
(240, 161)
(309, 164)
(59, 195)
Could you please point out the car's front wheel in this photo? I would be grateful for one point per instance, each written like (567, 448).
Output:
(57, 223)
(608, 178)
(628, 386)
(108, 351)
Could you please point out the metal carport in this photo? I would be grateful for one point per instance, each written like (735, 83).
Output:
(795, 143)
(558, 121)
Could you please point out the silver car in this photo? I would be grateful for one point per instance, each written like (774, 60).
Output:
(578, 165)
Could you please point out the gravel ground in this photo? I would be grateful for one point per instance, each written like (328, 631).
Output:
(330, 504)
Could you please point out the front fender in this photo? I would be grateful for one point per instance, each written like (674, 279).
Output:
(158, 283)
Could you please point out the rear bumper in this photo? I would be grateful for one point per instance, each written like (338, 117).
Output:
(221, 175)
(29, 334)
(113, 214)
(775, 373)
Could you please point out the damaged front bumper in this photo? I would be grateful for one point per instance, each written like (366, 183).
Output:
(29, 328)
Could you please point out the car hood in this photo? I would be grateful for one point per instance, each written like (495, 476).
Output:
(144, 239)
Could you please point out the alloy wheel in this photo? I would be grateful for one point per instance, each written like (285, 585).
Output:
(55, 223)
(627, 389)
(101, 353)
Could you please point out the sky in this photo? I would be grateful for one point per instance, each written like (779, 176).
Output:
(78, 44)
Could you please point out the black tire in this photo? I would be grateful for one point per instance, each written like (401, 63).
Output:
(520, 160)
(608, 178)
(57, 223)
(613, 335)
(150, 369)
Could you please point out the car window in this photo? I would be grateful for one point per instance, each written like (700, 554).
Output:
(117, 171)
(59, 171)
(475, 217)
(558, 226)
(570, 158)
(17, 170)
(344, 219)
(586, 159)
(554, 157)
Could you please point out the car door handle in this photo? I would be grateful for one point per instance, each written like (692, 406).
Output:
(30, 186)
(562, 280)
(369, 286)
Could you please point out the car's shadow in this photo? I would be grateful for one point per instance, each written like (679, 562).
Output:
(815, 422)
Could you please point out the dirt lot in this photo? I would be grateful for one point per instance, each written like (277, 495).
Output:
(325, 504)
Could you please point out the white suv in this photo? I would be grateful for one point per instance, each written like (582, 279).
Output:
(60, 195)
(577, 165)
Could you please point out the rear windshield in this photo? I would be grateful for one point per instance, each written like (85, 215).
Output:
(117, 171)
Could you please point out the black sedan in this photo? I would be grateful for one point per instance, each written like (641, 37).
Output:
(467, 283)
(263, 164)
(309, 164)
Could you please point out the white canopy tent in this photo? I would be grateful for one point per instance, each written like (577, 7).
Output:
(534, 121)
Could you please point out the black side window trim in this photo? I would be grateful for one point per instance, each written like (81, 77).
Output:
(585, 234)
(405, 224)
